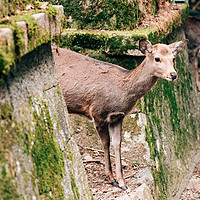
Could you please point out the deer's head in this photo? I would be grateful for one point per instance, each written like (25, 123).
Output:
(161, 57)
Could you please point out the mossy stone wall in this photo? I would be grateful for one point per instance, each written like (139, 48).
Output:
(107, 14)
(38, 156)
(22, 33)
(173, 129)
(120, 43)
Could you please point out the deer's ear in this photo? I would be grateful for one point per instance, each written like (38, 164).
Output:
(145, 46)
(176, 47)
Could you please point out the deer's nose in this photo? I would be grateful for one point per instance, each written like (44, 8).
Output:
(173, 76)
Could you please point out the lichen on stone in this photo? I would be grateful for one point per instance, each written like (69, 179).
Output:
(10, 134)
(74, 187)
(38, 142)
(46, 154)
(10, 54)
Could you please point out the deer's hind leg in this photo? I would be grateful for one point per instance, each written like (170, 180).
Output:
(115, 131)
(103, 132)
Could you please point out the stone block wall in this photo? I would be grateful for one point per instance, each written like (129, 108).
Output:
(118, 42)
(24, 32)
(38, 156)
(173, 131)
(107, 14)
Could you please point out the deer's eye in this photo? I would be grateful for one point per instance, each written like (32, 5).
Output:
(157, 59)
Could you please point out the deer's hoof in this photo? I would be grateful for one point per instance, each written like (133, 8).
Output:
(124, 187)
(114, 183)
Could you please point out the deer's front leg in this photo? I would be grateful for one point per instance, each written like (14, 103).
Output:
(103, 132)
(115, 131)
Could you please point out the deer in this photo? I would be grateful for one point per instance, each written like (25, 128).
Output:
(105, 93)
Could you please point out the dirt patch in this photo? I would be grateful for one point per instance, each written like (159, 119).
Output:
(192, 191)
(99, 185)
(134, 175)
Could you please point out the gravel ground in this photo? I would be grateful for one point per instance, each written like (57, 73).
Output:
(103, 190)
(99, 185)
(192, 191)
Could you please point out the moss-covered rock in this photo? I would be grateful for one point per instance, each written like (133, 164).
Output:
(38, 157)
(10, 134)
(123, 42)
(107, 14)
(104, 14)
(7, 52)
(23, 33)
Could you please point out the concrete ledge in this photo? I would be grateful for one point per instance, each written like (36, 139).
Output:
(21, 34)
(125, 42)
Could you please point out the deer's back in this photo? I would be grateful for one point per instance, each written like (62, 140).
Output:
(87, 83)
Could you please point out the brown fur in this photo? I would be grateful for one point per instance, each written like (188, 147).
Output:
(164, 51)
(106, 93)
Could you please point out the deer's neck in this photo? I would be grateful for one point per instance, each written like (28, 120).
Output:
(140, 81)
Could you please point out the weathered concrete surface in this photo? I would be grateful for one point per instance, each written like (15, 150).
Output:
(38, 156)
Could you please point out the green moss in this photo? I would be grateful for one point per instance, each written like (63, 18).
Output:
(30, 103)
(71, 197)
(84, 40)
(139, 104)
(47, 156)
(58, 90)
(185, 13)
(33, 29)
(128, 62)
(37, 140)
(119, 42)
(71, 156)
(104, 14)
(9, 8)
(84, 125)
(111, 42)
(57, 122)
(9, 131)
(10, 54)
(52, 11)
(90, 196)
(74, 187)
(130, 124)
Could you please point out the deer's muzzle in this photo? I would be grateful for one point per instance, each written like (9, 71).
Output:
(173, 76)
